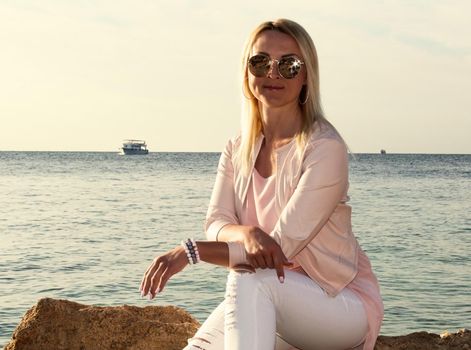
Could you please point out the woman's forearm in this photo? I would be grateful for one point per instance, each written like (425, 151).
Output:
(212, 252)
(172, 262)
(227, 254)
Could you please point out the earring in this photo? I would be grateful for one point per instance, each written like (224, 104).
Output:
(307, 95)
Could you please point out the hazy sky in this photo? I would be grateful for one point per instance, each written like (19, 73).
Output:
(85, 74)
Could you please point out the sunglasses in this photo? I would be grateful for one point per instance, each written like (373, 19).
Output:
(288, 66)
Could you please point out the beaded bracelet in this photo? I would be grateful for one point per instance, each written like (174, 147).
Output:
(183, 244)
(197, 253)
(191, 250)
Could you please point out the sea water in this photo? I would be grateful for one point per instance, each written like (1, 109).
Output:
(85, 226)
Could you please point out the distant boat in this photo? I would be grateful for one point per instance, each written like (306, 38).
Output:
(383, 151)
(131, 147)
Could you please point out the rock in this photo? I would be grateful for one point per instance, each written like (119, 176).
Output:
(65, 325)
(61, 324)
(426, 341)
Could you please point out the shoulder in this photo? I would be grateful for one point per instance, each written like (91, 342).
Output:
(325, 134)
(234, 141)
(232, 144)
(325, 142)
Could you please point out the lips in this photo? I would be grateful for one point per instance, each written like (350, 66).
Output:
(273, 87)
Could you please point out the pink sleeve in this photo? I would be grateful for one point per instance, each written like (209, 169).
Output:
(221, 210)
(237, 254)
(320, 189)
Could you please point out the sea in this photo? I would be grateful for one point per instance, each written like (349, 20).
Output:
(84, 226)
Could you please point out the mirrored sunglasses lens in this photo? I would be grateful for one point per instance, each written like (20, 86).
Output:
(259, 65)
(289, 67)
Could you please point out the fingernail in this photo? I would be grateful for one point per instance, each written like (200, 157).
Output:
(282, 279)
(157, 291)
(142, 294)
(149, 296)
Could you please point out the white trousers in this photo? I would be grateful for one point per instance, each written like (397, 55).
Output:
(260, 313)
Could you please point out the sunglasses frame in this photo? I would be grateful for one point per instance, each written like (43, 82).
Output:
(270, 65)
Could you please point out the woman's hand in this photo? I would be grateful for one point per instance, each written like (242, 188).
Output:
(161, 269)
(264, 252)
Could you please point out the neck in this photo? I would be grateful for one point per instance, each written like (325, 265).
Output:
(280, 123)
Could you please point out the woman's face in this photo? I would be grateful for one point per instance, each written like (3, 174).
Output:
(274, 90)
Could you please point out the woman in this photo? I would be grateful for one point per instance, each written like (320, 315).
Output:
(278, 217)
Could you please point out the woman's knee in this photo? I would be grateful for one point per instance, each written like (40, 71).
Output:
(257, 277)
(245, 282)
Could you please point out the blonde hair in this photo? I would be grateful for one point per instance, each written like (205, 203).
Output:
(311, 110)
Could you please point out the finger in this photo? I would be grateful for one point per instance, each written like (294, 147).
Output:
(155, 280)
(143, 281)
(286, 261)
(269, 261)
(149, 274)
(251, 260)
(164, 279)
(261, 261)
(280, 272)
(146, 281)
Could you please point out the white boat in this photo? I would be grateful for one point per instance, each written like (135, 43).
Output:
(134, 147)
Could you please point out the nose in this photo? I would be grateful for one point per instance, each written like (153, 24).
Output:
(273, 71)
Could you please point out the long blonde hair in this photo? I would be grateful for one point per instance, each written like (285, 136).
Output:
(311, 110)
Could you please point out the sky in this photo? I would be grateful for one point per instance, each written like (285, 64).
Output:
(83, 75)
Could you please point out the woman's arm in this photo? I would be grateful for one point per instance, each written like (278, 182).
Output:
(262, 251)
(221, 209)
(222, 223)
(320, 190)
(165, 266)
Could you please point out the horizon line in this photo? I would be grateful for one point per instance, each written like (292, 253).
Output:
(156, 152)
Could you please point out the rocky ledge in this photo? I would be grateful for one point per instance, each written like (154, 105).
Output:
(65, 325)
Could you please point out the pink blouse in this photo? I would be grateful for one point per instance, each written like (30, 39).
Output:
(260, 211)
(260, 207)
(310, 190)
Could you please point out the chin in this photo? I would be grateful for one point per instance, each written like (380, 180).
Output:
(275, 102)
